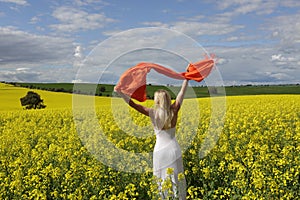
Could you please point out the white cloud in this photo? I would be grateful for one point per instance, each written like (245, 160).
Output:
(286, 28)
(108, 33)
(30, 57)
(78, 52)
(280, 76)
(22, 69)
(259, 7)
(222, 61)
(204, 28)
(89, 2)
(73, 19)
(290, 3)
(20, 76)
(38, 74)
(77, 81)
(18, 2)
(256, 65)
(19, 47)
(34, 20)
(238, 7)
(279, 57)
(194, 28)
(156, 24)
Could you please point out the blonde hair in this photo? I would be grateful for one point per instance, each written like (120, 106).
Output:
(163, 113)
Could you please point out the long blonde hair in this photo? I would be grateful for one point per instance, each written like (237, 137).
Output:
(163, 112)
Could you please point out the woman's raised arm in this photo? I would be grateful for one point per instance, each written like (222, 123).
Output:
(180, 96)
(142, 109)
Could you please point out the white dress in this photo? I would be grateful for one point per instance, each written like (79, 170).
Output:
(167, 154)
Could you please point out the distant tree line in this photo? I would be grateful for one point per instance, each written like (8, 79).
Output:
(100, 91)
(199, 90)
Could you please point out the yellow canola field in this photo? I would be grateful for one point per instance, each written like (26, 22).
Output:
(43, 154)
(10, 98)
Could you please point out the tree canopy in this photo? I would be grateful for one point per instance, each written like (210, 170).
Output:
(32, 101)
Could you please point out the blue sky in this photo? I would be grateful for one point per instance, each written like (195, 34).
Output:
(256, 41)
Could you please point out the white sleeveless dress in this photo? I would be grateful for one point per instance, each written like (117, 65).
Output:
(167, 154)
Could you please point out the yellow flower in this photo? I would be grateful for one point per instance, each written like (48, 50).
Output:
(170, 171)
(181, 176)
(206, 172)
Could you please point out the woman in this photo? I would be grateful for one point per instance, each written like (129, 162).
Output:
(167, 152)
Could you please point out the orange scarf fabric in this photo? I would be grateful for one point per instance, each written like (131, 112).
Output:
(133, 81)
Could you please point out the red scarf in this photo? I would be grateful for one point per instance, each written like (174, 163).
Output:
(133, 81)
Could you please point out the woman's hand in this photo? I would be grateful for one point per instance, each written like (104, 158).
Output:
(187, 68)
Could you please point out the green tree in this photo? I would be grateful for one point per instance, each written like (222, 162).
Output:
(32, 101)
(102, 89)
